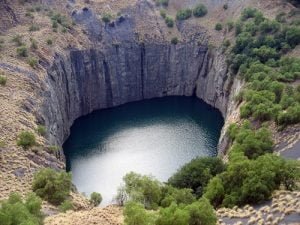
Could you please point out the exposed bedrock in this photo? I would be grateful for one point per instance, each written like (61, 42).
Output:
(95, 79)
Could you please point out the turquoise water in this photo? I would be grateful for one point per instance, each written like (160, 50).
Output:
(154, 137)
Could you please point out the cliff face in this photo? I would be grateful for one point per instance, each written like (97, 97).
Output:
(93, 79)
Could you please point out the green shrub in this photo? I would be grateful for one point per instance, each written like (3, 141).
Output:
(183, 14)
(225, 6)
(18, 40)
(174, 40)
(32, 62)
(135, 214)
(248, 13)
(269, 26)
(22, 51)
(196, 174)
(16, 211)
(292, 35)
(66, 205)
(96, 198)
(52, 186)
(163, 13)
(3, 80)
(26, 139)
(169, 21)
(143, 189)
(179, 196)
(49, 42)
(200, 10)
(41, 130)
(34, 44)
(53, 149)
(34, 27)
(106, 17)
(219, 27)
(230, 25)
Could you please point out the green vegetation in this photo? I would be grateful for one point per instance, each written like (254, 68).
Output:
(183, 14)
(174, 40)
(26, 139)
(49, 42)
(169, 21)
(175, 206)
(53, 149)
(52, 186)
(22, 51)
(196, 174)
(32, 62)
(58, 19)
(200, 10)
(34, 44)
(66, 205)
(96, 198)
(41, 130)
(163, 13)
(259, 57)
(218, 27)
(3, 80)
(16, 211)
(225, 6)
(34, 28)
(106, 17)
(18, 40)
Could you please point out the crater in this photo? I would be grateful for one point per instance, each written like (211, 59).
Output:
(152, 137)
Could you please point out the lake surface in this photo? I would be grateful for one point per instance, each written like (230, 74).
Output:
(154, 137)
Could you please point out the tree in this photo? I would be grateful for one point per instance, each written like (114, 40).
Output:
(201, 213)
(173, 215)
(52, 186)
(196, 174)
(96, 198)
(143, 189)
(214, 191)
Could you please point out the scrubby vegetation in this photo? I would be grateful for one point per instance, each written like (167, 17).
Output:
(259, 56)
(218, 27)
(66, 205)
(174, 40)
(52, 186)
(183, 14)
(200, 10)
(3, 80)
(16, 211)
(96, 198)
(26, 139)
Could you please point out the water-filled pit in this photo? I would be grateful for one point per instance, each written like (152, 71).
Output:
(154, 137)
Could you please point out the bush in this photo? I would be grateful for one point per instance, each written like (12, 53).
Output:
(15, 211)
(32, 62)
(34, 44)
(179, 196)
(169, 21)
(200, 10)
(143, 189)
(26, 139)
(135, 214)
(49, 42)
(292, 35)
(3, 80)
(225, 6)
(66, 205)
(34, 27)
(52, 186)
(230, 25)
(248, 13)
(163, 13)
(41, 130)
(18, 40)
(184, 14)
(196, 174)
(218, 27)
(106, 17)
(96, 198)
(22, 51)
(174, 40)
